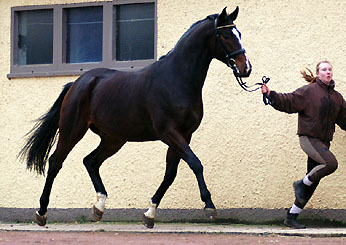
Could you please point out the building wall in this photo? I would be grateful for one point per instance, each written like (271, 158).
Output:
(249, 151)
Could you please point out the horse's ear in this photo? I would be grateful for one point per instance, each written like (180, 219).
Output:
(223, 16)
(234, 14)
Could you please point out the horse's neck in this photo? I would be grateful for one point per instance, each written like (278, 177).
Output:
(191, 58)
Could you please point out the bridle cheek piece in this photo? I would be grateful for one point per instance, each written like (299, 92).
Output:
(229, 56)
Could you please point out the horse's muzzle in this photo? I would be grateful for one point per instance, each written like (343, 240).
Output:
(243, 70)
(246, 69)
(247, 72)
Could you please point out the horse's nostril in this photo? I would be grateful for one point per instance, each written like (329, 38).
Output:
(247, 72)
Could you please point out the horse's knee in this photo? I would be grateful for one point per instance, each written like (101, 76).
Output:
(89, 163)
(169, 178)
(86, 162)
(196, 166)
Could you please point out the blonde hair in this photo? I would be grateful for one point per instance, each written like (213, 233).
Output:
(310, 78)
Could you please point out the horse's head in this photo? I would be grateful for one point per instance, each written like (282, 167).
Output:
(229, 47)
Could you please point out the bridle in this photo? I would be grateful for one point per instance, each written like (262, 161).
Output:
(229, 56)
(230, 61)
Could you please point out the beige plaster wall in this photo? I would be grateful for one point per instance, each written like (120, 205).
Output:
(250, 152)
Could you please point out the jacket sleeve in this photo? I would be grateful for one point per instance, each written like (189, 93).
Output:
(288, 102)
(341, 119)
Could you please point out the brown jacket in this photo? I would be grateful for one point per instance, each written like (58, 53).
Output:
(318, 106)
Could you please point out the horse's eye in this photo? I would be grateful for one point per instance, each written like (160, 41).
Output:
(227, 36)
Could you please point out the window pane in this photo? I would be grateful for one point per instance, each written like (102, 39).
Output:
(35, 37)
(84, 34)
(135, 31)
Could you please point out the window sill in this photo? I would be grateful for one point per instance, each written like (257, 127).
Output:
(26, 72)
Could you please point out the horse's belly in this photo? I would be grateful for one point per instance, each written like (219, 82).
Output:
(139, 133)
(126, 131)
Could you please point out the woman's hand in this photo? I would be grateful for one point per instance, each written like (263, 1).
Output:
(265, 89)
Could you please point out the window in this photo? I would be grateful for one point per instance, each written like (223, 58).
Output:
(69, 39)
(31, 26)
(84, 34)
(134, 25)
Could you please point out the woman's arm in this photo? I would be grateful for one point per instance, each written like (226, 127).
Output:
(286, 102)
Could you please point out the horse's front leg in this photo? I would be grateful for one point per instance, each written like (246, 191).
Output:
(180, 144)
(172, 161)
(93, 162)
(196, 166)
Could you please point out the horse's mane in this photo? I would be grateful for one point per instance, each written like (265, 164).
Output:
(192, 27)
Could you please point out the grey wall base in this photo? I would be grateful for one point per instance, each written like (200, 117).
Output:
(244, 215)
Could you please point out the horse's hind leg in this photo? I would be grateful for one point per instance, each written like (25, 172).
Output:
(93, 162)
(72, 128)
(55, 164)
(172, 161)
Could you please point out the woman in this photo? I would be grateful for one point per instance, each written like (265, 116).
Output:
(319, 108)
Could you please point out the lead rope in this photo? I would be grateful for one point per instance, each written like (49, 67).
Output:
(266, 99)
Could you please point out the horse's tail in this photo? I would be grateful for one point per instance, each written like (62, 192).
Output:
(42, 136)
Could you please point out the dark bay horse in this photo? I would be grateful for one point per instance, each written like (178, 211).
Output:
(162, 101)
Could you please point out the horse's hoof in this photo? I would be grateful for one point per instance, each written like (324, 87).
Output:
(40, 220)
(148, 222)
(210, 213)
(97, 213)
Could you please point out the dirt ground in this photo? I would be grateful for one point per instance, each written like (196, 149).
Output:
(104, 238)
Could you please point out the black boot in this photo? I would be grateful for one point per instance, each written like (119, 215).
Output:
(291, 221)
(300, 191)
